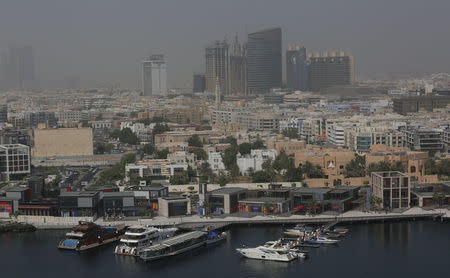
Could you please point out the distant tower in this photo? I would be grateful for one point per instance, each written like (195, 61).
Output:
(154, 76)
(297, 68)
(217, 60)
(237, 79)
(264, 63)
(218, 93)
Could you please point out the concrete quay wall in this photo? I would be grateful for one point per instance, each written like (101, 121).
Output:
(52, 222)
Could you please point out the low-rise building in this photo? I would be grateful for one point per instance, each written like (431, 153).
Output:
(254, 160)
(426, 195)
(392, 188)
(118, 204)
(423, 138)
(174, 206)
(14, 161)
(82, 203)
(215, 161)
(225, 200)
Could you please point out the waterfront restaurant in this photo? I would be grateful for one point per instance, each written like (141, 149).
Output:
(82, 203)
(225, 200)
(265, 205)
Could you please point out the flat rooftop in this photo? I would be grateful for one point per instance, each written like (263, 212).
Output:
(118, 194)
(227, 190)
(78, 194)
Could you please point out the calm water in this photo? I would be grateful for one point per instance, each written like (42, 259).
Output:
(405, 249)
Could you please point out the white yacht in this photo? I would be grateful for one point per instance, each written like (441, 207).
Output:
(271, 251)
(137, 238)
(321, 240)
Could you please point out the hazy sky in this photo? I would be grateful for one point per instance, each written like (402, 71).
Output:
(105, 40)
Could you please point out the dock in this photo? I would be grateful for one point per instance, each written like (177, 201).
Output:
(329, 221)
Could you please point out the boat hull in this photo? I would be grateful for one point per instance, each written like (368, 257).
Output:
(178, 252)
(258, 256)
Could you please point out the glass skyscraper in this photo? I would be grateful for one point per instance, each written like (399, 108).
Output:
(264, 60)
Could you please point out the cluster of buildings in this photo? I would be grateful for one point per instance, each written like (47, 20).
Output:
(256, 66)
(17, 67)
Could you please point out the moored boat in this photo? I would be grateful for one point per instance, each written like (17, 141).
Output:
(174, 246)
(321, 240)
(137, 238)
(87, 235)
(215, 237)
(269, 252)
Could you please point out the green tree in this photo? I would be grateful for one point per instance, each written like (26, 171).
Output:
(126, 136)
(356, 167)
(194, 141)
(179, 178)
(234, 172)
(261, 176)
(293, 174)
(162, 154)
(245, 148)
(312, 171)
(443, 168)
(148, 148)
(291, 132)
(200, 154)
(258, 144)
(222, 181)
(191, 172)
(159, 129)
(229, 156)
(205, 172)
(128, 158)
(283, 162)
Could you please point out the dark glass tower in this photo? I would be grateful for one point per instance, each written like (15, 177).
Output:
(264, 60)
(297, 68)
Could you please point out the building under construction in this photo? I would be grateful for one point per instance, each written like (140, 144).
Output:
(217, 66)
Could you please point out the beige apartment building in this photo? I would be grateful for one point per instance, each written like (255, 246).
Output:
(57, 142)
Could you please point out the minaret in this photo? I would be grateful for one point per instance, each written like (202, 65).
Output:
(217, 93)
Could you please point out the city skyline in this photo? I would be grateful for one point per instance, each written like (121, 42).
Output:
(387, 38)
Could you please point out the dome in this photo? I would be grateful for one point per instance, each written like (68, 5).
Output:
(280, 137)
(240, 103)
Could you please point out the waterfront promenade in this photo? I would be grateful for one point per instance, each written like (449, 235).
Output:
(48, 222)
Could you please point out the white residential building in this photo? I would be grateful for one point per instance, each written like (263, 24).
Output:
(254, 160)
(215, 161)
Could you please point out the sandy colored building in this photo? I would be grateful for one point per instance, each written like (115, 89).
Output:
(56, 142)
(290, 147)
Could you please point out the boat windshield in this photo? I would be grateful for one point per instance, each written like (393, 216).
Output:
(135, 236)
(131, 244)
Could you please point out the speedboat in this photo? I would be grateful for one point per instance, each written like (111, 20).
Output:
(137, 238)
(321, 240)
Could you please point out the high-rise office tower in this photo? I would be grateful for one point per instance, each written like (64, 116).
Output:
(17, 67)
(154, 76)
(3, 113)
(264, 60)
(330, 69)
(216, 57)
(238, 69)
(297, 68)
(199, 83)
